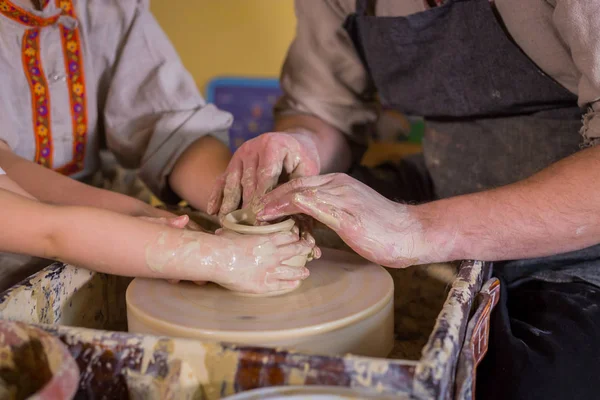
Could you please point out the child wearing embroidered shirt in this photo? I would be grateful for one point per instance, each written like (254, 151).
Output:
(110, 242)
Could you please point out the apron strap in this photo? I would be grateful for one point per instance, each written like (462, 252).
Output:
(365, 7)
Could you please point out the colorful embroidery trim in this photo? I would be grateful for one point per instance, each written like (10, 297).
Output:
(76, 80)
(40, 94)
(40, 97)
(22, 16)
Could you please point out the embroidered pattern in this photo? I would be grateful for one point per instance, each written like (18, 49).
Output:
(76, 80)
(40, 97)
(40, 94)
(22, 16)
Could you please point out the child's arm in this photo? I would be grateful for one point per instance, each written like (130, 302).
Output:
(51, 187)
(108, 242)
(8, 184)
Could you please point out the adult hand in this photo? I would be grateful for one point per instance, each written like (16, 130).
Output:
(259, 164)
(376, 228)
(257, 264)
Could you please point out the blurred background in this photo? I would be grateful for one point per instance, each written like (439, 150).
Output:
(234, 49)
(247, 38)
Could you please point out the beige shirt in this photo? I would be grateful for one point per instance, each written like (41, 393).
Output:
(323, 75)
(134, 94)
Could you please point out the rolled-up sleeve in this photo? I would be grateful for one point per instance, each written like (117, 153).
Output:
(322, 74)
(578, 23)
(153, 109)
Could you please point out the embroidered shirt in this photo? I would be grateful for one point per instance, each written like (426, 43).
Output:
(323, 75)
(82, 74)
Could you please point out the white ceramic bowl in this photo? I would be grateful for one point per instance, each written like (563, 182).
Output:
(306, 393)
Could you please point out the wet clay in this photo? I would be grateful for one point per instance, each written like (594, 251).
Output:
(344, 306)
(243, 221)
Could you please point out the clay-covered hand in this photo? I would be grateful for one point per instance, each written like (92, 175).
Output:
(179, 222)
(245, 263)
(259, 164)
(378, 229)
(258, 264)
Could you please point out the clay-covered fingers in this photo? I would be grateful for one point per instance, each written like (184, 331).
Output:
(284, 278)
(285, 273)
(216, 196)
(249, 180)
(289, 251)
(227, 192)
(232, 193)
(317, 253)
(284, 238)
(270, 167)
(280, 201)
(305, 224)
(323, 207)
(276, 285)
(178, 222)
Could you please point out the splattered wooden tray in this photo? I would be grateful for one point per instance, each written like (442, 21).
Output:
(86, 310)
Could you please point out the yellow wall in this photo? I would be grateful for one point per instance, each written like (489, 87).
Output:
(228, 37)
(243, 38)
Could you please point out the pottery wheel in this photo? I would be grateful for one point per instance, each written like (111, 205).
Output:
(344, 295)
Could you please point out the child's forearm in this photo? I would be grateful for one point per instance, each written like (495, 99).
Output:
(51, 187)
(92, 238)
(8, 184)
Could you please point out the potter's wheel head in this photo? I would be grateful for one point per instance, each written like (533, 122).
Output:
(341, 291)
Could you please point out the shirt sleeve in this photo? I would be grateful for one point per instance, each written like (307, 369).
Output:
(578, 23)
(323, 74)
(2, 172)
(153, 109)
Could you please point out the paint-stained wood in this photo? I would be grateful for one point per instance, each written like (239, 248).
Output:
(117, 364)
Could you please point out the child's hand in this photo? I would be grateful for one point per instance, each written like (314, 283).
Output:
(179, 222)
(182, 221)
(257, 264)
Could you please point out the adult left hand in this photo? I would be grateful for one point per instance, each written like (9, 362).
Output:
(259, 164)
(378, 229)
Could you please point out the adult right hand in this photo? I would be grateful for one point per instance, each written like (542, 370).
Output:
(378, 229)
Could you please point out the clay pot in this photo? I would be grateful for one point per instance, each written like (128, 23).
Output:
(35, 364)
(242, 221)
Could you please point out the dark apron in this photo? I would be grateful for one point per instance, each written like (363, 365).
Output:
(492, 118)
